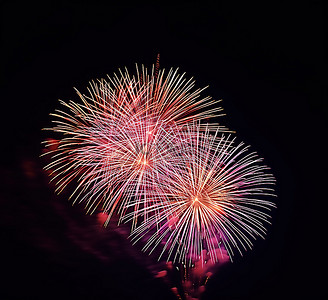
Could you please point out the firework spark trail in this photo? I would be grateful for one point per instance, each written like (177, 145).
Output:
(215, 196)
(115, 143)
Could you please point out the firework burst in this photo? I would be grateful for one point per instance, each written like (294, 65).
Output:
(215, 198)
(137, 146)
(116, 143)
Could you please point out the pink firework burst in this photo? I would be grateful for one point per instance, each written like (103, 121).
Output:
(116, 142)
(215, 200)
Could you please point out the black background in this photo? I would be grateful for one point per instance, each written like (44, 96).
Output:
(265, 61)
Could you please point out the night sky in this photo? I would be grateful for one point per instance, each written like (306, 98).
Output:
(265, 61)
